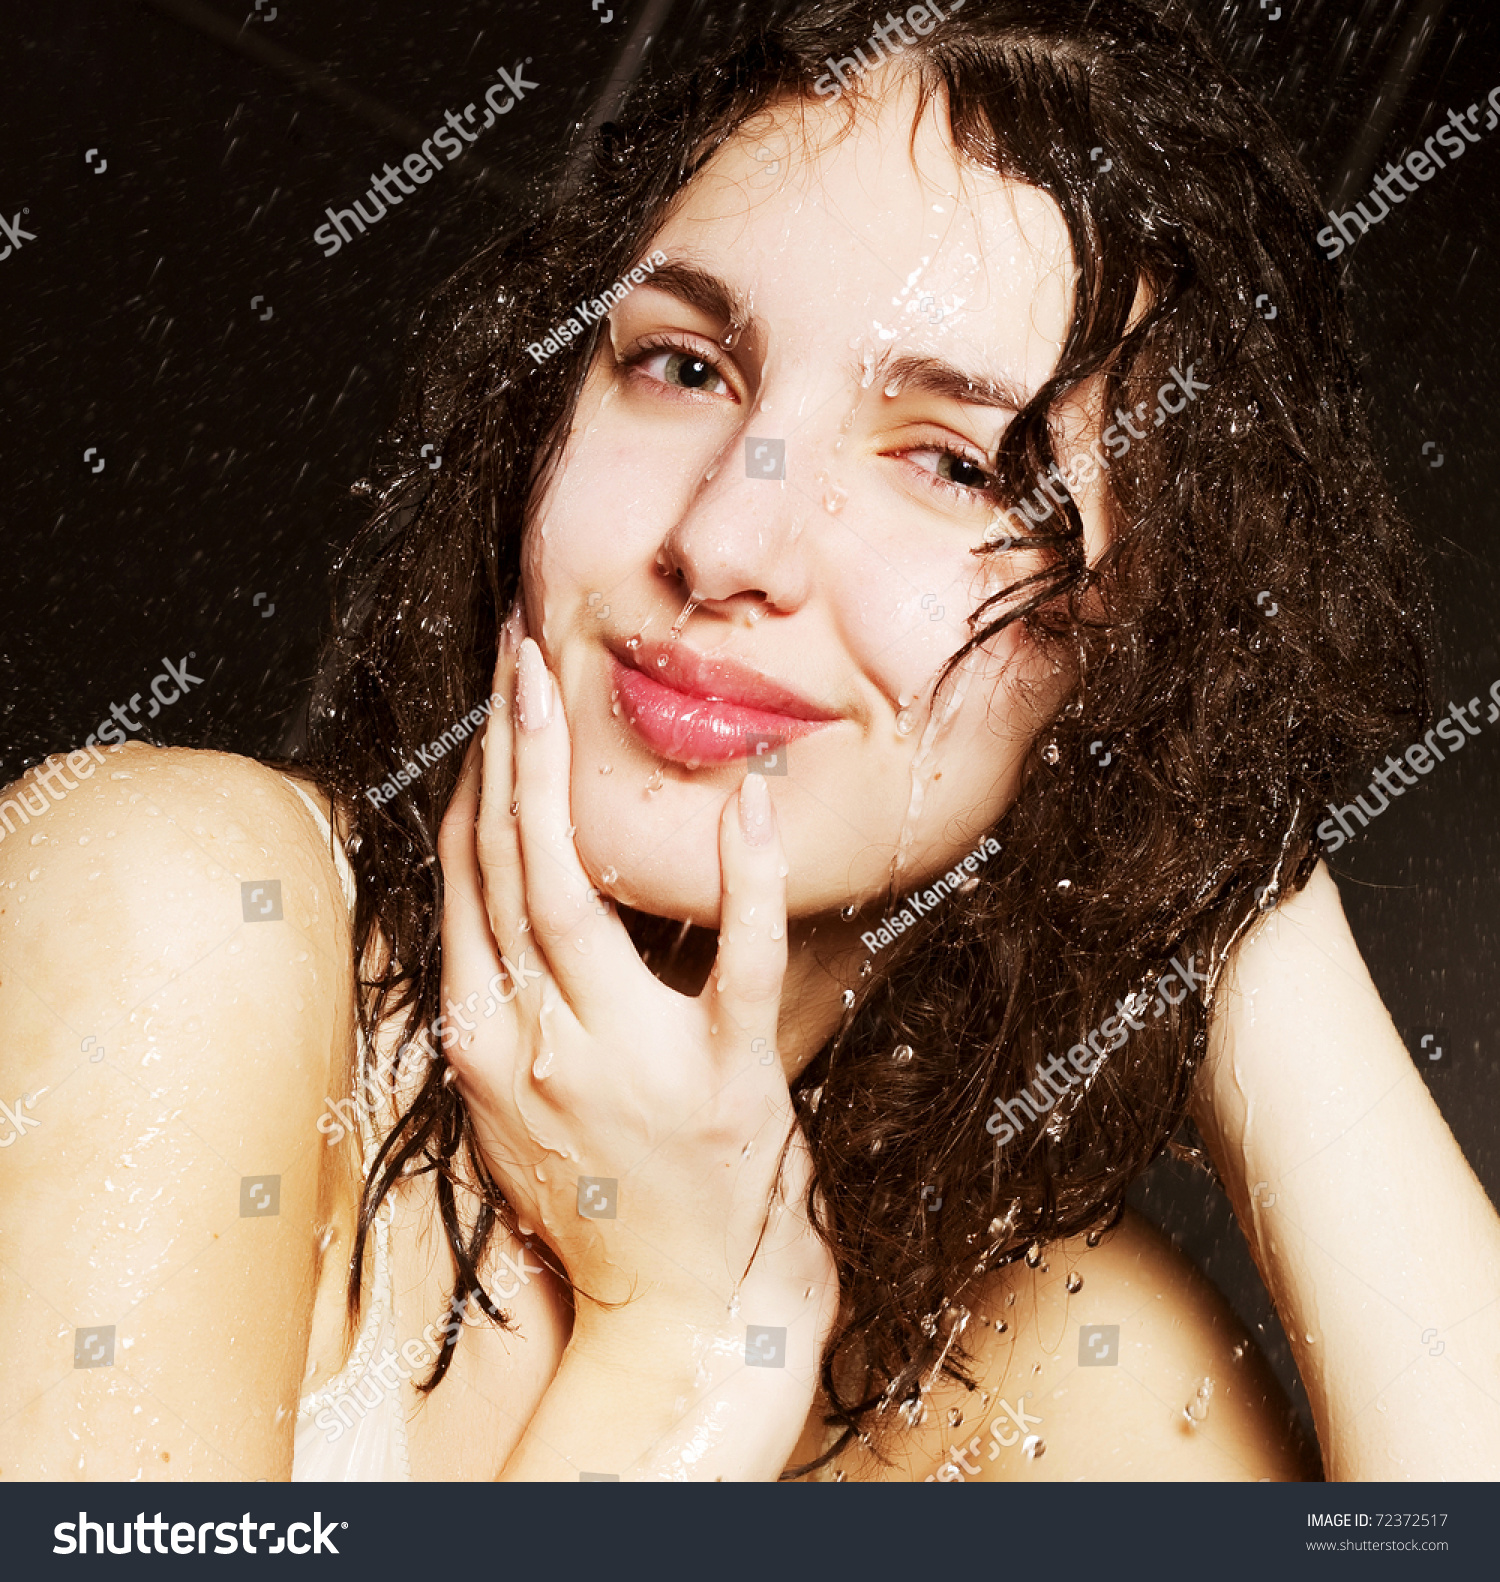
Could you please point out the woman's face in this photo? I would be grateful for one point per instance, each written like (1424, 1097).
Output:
(783, 437)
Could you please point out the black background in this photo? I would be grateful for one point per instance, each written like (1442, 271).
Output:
(231, 441)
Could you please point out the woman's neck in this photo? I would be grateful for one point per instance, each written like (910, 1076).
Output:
(823, 960)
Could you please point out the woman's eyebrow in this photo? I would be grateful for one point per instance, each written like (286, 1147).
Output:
(933, 376)
(702, 290)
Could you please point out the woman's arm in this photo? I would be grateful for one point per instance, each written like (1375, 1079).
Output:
(1376, 1241)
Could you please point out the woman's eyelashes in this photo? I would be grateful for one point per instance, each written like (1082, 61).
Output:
(678, 363)
(953, 473)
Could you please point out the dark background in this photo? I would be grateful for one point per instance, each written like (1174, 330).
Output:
(230, 440)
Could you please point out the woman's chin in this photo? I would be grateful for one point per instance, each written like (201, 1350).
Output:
(679, 879)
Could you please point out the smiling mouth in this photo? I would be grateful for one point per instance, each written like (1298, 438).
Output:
(695, 709)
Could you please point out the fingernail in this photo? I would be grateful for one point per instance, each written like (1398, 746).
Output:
(755, 810)
(534, 695)
(513, 630)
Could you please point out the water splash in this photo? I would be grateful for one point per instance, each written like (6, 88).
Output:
(675, 630)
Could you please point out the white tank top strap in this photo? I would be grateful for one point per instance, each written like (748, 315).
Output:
(353, 1429)
(335, 846)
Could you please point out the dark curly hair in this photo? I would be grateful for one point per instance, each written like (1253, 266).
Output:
(1249, 642)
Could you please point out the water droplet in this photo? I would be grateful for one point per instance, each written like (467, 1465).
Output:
(902, 1054)
(1050, 753)
(632, 643)
(906, 722)
(1308, 1338)
(450, 1076)
(955, 1417)
(1033, 1255)
(655, 783)
(892, 389)
(1238, 1354)
(515, 809)
(848, 998)
(833, 499)
(36, 840)
(778, 931)
(34, 875)
(540, 1177)
(1064, 884)
(748, 1149)
(614, 709)
(1074, 1284)
(542, 1065)
(609, 876)
(606, 769)
(1000, 1326)
(1033, 1447)
(846, 912)
(1196, 1410)
(1093, 1238)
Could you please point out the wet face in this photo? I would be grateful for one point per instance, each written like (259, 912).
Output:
(762, 530)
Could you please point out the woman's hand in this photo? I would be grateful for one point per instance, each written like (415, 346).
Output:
(640, 1131)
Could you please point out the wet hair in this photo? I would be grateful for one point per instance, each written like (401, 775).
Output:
(1249, 642)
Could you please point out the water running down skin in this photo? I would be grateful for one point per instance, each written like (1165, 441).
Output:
(179, 1107)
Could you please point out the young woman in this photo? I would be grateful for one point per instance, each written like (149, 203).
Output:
(803, 801)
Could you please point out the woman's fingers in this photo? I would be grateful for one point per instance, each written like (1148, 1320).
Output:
(747, 979)
(497, 837)
(584, 942)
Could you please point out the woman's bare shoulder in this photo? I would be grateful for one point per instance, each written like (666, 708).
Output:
(1112, 1362)
(162, 835)
(177, 993)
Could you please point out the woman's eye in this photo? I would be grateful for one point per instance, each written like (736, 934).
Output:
(962, 471)
(952, 468)
(684, 371)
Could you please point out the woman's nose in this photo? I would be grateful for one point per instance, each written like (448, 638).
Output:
(736, 544)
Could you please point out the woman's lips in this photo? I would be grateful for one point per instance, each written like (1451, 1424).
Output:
(695, 709)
